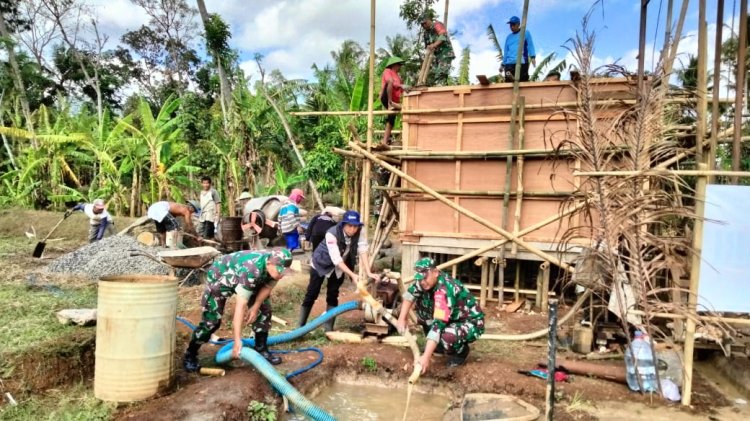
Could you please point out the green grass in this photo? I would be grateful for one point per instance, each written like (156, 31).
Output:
(27, 314)
(74, 403)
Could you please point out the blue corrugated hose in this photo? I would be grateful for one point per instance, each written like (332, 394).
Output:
(297, 399)
(278, 382)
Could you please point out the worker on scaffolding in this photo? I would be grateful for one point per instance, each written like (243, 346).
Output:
(439, 43)
(512, 42)
(449, 315)
(391, 89)
(251, 275)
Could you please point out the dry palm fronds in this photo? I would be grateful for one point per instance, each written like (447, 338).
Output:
(626, 216)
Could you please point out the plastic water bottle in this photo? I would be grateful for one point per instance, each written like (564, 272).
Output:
(639, 354)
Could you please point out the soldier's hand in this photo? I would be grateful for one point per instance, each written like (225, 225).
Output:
(425, 363)
(236, 349)
(252, 314)
(355, 278)
(401, 326)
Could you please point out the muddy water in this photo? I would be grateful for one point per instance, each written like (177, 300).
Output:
(358, 402)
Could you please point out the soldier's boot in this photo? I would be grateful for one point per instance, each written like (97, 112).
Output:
(304, 313)
(190, 360)
(328, 326)
(261, 345)
(459, 358)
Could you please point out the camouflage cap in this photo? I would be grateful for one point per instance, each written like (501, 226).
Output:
(281, 258)
(422, 266)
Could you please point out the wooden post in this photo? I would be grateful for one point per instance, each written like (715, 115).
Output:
(545, 283)
(695, 265)
(483, 284)
(491, 280)
(517, 283)
(469, 214)
(701, 104)
(739, 90)
(715, 94)
(445, 15)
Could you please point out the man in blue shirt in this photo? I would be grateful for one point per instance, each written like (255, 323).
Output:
(511, 52)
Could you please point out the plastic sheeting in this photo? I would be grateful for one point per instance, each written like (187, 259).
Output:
(725, 263)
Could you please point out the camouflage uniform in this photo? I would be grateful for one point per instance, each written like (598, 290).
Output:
(442, 56)
(242, 273)
(465, 319)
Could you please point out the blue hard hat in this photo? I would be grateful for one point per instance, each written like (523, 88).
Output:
(514, 20)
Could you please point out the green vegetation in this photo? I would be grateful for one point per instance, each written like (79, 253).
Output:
(27, 314)
(370, 364)
(73, 403)
(262, 411)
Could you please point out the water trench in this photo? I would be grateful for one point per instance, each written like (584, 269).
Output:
(370, 398)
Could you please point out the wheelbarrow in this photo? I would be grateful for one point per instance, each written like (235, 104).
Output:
(195, 259)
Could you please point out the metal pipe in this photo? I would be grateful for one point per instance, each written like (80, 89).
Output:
(551, 357)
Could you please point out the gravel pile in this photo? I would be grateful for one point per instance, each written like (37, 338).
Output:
(110, 256)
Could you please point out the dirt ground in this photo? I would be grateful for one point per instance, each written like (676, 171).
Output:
(492, 366)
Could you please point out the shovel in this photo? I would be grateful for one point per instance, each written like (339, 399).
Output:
(39, 249)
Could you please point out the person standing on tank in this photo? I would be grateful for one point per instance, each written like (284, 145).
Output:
(335, 257)
(251, 276)
(448, 313)
(210, 204)
(289, 219)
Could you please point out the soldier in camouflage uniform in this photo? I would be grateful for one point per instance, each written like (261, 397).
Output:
(251, 275)
(437, 40)
(446, 310)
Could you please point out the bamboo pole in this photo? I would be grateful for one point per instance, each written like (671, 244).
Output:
(358, 156)
(739, 89)
(695, 262)
(660, 172)
(702, 104)
(370, 121)
(481, 108)
(517, 282)
(500, 243)
(483, 284)
(545, 283)
(491, 280)
(480, 193)
(642, 45)
(709, 319)
(469, 214)
(445, 15)
(713, 144)
(519, 171)
(415, 154)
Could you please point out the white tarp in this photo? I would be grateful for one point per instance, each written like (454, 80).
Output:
(725, 263)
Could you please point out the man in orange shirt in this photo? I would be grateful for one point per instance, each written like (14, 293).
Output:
(391, 89)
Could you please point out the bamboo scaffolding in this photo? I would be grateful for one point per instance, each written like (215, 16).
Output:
(466, 212)
(661, 172)
(481, 193)
(481, 108)
(420, 154)
(519, 171)
(740, 87)
(697, 317)
(425, 69)
(366, 182)
(702, 104)
(713, 144)
(359, 156)
(460, 259)
(695, 262)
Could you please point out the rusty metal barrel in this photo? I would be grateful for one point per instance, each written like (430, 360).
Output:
(231, 232)
(135, 337)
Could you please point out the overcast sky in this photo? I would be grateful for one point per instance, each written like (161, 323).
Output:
(294, 34)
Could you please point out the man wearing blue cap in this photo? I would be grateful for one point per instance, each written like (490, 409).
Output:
(333, 258)
(511, 51)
